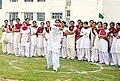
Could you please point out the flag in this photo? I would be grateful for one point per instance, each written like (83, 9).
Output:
(101, 16)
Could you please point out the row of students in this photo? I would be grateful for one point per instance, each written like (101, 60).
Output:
(91, 43)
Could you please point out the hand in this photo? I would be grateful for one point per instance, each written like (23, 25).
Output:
(28, 40)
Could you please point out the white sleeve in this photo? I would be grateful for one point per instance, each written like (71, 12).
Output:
(82, 32)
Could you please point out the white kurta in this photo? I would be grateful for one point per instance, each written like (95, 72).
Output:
(96, 42)
(24, 38)
(85, 40)
(33, 37)
(54, 39)
(103, 44)
(118, 44)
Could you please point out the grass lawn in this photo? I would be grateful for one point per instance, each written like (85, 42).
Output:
(33, 69)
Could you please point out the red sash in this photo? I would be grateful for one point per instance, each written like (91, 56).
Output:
(40, 30)
(102, 32)
(24, 28)
(18, 26)
(71, 28)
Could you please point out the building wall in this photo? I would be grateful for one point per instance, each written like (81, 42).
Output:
(111, 10)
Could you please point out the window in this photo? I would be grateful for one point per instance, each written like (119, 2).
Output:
(13, 15)
(68, 13)
(28, 15)
(41, 0)
(40, 16)
(0, 4)
(68, 2)
(57, 15)
(28, 0)
(13, 0)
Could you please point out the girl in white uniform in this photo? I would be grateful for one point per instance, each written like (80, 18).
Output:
(33, 38)
(64, 40)
(103, 45)
(85, 42)
(95, 44)
(78, 38)
(25, 40)
(16, 42)
(70, 32)
(40, 40)
(113, 50)
(53, 46)
(46, 34)
(118, 48)
(10, 37)
(4, 36)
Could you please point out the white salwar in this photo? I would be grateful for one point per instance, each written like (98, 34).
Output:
(114, 51)
(33, 44)
(10, 42)
(118, 49)
(103, 51)
(78, 47)
(53, 48)
(24, 48)
(71, 44)
(85, 44)
(4, 36)
(40, 45)
(47, 34)
(95, 48)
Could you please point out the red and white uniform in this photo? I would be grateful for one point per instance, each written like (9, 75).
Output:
(40, 42)
(17, 39)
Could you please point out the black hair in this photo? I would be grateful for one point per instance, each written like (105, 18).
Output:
(86, 22)
(34, 22)
(47, 22)
(27, 19)
(99, 22)
(79, 20)
(18, 19)
(112, 23)
(72, 21)
(118, 24)
(58, 20)
(24, 22)
(105, 23)
(5, 20)
(91, 20)
(42, 23)
(11, 20)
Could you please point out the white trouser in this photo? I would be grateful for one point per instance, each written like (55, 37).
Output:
(71, 53)
(10, 48)
(45, 51)
(53, 59)
(40, 51)
(79, 54)
(94, 55)
(118, 57)
(85, 52)
(63, 52)
(104, 57)
(4, 47)
(33, 50)
(25, 51)
(114, 58)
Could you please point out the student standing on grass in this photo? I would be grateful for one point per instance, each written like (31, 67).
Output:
(33, 38)
(46, 34)
(70, 32)
(25, 40)
(103, 45)
(85, 42)
(4, 36)
(10, 37)
(64, 40)
(95, 42)
(16, 32)
(78, 38)
(40, 40)
(113, 43)
(52, 55)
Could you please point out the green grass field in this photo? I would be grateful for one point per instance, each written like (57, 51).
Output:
(33, 69)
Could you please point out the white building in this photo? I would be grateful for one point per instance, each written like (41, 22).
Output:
(43, 10)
